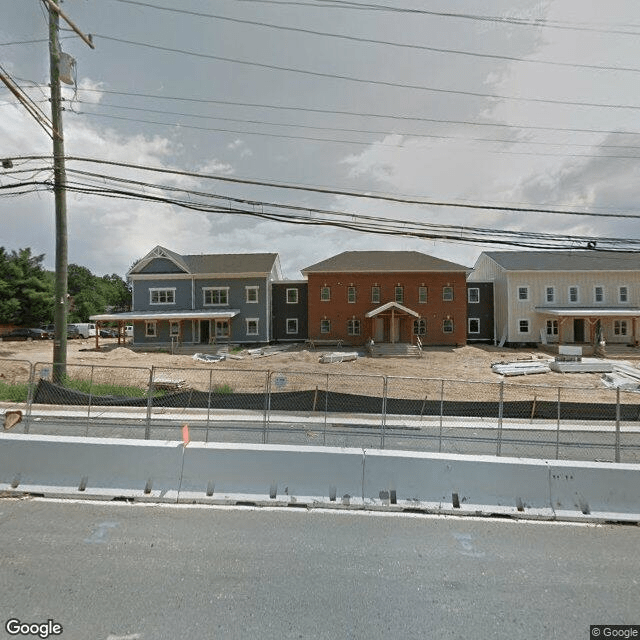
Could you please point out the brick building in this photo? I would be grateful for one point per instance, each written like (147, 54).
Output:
(389, 297)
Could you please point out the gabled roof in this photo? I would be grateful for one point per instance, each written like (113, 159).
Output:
(579, 260)
(376, 261)
(226, 263)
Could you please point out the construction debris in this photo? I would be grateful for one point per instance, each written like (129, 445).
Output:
(11, 419)
(326, 358)
(623, 377)
(521, 368)
(207, 357)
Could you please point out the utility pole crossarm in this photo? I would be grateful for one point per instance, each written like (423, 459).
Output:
(54, 7)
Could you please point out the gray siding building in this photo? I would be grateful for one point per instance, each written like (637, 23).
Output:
(201, 299)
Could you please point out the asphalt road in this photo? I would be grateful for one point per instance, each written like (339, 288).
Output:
(115, 571)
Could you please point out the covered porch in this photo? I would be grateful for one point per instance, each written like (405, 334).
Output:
(587, 326)
(176, 328)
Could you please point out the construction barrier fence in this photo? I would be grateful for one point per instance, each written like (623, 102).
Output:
(338, 410)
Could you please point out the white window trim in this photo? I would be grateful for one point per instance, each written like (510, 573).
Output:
(398, 289)
(375, 299)
(554, 325)
(287, 321)
(445, 298)
(155, 289)
(528, 331)
(246, 294)
(469, 290)
(626, 288)
(418, 324)
(469, 321)
(525, 288)
(353, 327)
(448, 320)
(328, 324)
(595, 294)
(423, 299)
(294, 290)
(621, 324)
(328, 298)
(553, 293)
(150, 323)
(577, 300)
(350, 290)
(214, 304)
(172, 324)
(257, 331)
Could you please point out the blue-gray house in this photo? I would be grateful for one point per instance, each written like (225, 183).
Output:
(201, 299)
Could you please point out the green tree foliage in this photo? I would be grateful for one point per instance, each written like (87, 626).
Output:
(26, 289)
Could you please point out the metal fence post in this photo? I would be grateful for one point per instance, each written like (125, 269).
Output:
(267, 407)
(500, 415)
(617, 447)
(326, 412)
(90, 400)
(558, 428)
(385, 390)
(30, 395)
(441, 415)
(147, 429)
(206, 435)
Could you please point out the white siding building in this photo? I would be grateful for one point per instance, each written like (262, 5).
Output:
(565, 297)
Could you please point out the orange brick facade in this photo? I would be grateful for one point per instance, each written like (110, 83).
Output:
(352, 295)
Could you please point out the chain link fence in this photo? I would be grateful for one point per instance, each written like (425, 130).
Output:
(340, 410)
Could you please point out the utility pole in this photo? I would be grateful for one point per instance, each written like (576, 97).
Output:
(59, 190)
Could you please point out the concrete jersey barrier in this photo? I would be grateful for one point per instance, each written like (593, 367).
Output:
(223, 473)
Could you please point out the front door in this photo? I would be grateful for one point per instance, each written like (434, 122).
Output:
(205, 328)
(578, 330)
(378, 332)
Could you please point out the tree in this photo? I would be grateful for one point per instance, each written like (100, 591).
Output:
(26, 289)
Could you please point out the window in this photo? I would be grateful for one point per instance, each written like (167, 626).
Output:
(216, 296)
(162, 296)
(222, 329)
(623, 294)
(251, 294)
(375, 293)
(351, 294)
(550, 294)
(325, 294)
(473, 295)
(325, 326)
(174, 329)
(150, 329)
(598, 294)
(422, 295)
(523, 326)
(292, 326)
(292, 296)
(447, 294)
(420, 327)
(353, 327)
(620, 327)
(399, 296)
(447, 325)
(252, 326)
(523, 293)
(474, 325)
(573, 294)
(552, 327)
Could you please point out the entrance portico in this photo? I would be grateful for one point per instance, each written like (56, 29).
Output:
(391, 322)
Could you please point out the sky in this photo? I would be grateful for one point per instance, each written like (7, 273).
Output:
(519, 104)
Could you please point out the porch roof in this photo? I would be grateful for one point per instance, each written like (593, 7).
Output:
(391, 305)
(585, 312)
(165, 315)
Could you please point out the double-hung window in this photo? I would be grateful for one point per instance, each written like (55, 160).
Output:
(162, 296)
(473, 295)
(447, 294)
(251, 294)
(216, 296)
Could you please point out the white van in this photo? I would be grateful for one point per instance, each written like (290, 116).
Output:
(128, 331)
(85, 329)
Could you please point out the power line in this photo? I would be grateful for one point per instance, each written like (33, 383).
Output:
(383, 83)
(401, 45)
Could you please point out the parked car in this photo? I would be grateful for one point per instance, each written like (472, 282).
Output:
(108, 333)
(24, 333)
(72, 331)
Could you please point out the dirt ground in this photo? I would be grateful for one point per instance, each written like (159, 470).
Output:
(468, 363)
